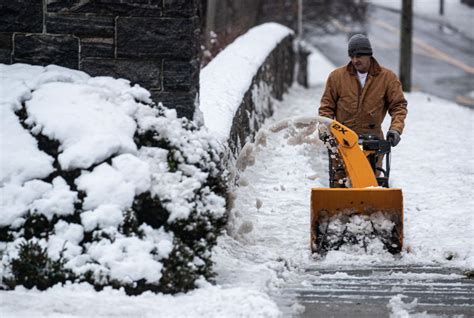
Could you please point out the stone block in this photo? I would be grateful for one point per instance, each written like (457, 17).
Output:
(97, 47)
(6, 46)
(183, 102)
(113, 8)
(180, 75)
(157, 37)
(180, 8)
(146, 73)
(5, 57)
(43, 49)
(84, 26)
(21, 16)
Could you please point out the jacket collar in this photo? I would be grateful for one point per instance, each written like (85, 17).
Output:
(374, 69)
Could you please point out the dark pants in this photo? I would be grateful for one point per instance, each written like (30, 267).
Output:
(337, 172)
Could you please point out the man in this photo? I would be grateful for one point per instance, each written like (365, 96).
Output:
(360, 94)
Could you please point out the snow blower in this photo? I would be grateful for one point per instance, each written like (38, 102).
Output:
(366, 210)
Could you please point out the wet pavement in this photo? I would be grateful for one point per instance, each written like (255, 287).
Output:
(384, 290)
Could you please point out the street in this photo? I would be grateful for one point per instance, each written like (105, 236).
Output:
(443, 59)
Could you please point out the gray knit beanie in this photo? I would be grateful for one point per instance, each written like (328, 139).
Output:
(359, 44)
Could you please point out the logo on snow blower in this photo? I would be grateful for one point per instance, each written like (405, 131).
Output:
(339, 128)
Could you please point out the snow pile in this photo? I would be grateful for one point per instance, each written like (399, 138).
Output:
(400, 309)
(97, 184)
(81, 300)
(225, 80)
(352, 232)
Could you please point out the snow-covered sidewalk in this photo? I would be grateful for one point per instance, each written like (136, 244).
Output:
(267, 246)
(269, 242)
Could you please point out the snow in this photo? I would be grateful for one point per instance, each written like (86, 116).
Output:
(35, 195)
(65, 240)
(58, 200)
(104, 216)
(368, 234)
(83, 301)
(400, 309)
(225, 80)
(28, 162)
(105, 185)
(88, 133)
(318, 74)
(267, 244)
(123, 255)
(434, 167)
(134, 171)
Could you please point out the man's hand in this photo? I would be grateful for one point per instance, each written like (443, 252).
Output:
(393, 137)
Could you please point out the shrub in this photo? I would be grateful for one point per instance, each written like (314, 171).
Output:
(104, 186)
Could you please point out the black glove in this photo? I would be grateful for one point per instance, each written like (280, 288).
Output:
(393, 137)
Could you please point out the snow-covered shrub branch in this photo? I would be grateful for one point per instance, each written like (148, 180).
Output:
(98, 184)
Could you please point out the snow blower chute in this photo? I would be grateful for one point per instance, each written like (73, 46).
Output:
(366, 210)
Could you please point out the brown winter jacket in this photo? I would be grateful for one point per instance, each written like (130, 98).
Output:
(363, 110)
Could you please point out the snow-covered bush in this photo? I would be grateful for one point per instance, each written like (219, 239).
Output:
(98, 184)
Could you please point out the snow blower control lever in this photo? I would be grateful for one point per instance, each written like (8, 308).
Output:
(375, 150)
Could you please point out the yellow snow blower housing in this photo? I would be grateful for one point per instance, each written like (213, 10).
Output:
(371, 210)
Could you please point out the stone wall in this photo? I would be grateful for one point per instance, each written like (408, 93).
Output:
(154, 43)
(273, 79)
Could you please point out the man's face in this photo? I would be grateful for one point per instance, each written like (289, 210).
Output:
(361, 63)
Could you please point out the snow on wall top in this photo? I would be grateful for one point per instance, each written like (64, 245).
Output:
(224, 81)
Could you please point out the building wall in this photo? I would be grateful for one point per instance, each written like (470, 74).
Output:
(154, 43)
